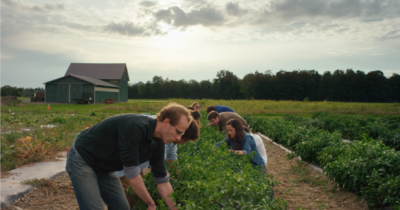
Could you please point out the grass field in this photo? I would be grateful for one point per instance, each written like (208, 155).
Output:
(263, 108)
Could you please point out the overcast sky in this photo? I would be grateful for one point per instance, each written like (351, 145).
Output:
(194, 39)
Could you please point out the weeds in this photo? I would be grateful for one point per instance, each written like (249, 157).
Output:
(38, 183)
(305, 175)
(38, 143)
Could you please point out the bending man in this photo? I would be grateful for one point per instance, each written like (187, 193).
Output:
(124, 142)
(221, 119)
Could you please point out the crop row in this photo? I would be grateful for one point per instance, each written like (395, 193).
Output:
(215, 179)
(384, 129)
(366, 166)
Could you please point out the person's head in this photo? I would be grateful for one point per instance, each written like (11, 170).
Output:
(235, 133)
(213, 117)
(174, 119)
(210, 109)
(191, 134)
(196, 116)
(195, 106)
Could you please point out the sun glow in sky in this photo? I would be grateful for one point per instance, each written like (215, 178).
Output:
(194, 39)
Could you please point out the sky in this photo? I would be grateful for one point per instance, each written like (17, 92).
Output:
(194, 39)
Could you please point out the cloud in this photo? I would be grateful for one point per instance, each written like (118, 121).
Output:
(234, 9)
(289, 9)
(391, 35)
(125, 28)
(147, 3)
(34, 8)
(206, 16)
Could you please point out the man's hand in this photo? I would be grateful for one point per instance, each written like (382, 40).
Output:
(165, 190)
(151, 207)
(138, 186)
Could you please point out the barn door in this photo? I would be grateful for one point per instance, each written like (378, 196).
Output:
(62, 93)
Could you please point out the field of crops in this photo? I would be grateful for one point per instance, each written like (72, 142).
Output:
(385, 129)
(364, 166)
(214, 179)
(208, 179)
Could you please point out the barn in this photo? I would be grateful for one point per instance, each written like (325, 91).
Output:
(97, 82)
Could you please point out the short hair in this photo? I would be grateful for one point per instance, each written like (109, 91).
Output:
(173, 112)
(192, 133)
(210, 109)
(212, 115)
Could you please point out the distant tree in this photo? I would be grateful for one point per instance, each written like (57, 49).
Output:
(226, 85)
(7, 90)
(325, 89)
(394, 82)
(378, 89)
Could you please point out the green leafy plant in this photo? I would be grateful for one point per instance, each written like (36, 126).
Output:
(214, 178)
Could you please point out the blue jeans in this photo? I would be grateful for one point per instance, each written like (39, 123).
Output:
(91, 187)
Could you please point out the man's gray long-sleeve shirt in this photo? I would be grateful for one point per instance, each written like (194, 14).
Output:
(123, 142)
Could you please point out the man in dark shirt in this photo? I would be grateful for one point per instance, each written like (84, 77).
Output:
(221, 119)
(124, 142)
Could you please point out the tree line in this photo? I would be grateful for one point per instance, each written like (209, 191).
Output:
(297, 85)
(7, 90)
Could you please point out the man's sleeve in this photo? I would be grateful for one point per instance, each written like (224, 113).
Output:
(128, 144)
(158, 165)
(171, 152)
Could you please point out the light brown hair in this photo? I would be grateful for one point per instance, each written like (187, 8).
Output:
(173, 112)
(194, 104)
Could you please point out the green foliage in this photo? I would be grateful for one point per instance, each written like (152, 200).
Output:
(352, 168)
(384, 129)
(311, 146)
(213, 178)
(382, 189)
(366, 165)
(307, 85)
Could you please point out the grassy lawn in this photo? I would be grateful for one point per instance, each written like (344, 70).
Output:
(262, 108)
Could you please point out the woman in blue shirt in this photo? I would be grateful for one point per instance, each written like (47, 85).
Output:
(242, 143)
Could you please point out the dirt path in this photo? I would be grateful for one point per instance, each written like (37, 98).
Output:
(57, 194)
(304, 187)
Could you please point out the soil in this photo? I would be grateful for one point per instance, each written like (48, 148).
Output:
(57, 194)
(307, 196)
